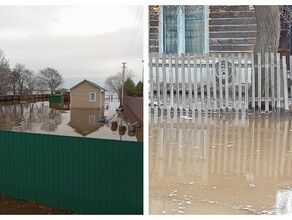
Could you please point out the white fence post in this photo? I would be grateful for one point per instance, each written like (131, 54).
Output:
(267, 84)
(157, 79)
(233, 82)
(171, 80)
(214, 82)
(278, 83)
(239, 82)
(208, 82)
(195, 82)
(183, 81)
(220, 83)
(285, 83)
(151, 79)
(245, 82)
(177, 81)
(252, 83)
(164, 89)
(259, 82)
(226, 84)
(190, 87)
(273, 80)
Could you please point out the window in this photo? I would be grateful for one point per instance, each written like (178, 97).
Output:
(92, 96)
(182, 29)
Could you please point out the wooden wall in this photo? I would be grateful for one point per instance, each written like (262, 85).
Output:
(231, 29)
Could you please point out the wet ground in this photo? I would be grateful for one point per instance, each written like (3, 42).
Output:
(39, 117)
(220, 164)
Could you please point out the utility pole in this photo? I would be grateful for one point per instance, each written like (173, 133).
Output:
(122, 101)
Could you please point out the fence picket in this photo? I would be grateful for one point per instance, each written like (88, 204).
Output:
(245, 82)
(202, 84)
(278, 83)
(208, 82)
(252, 83)
(157, 79)
(195, 82)
(233, 81)
(151, 79)
(239, 82)
(226, 83)
(183, 81)
(220, 82)
(267, 84)
(170, 79)
(273, 80)
(177, 81)
(214, 82)
(285, 83)
(190, 87)
(259, 82)
(164, 89)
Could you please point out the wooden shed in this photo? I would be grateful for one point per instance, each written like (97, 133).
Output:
(87, 95)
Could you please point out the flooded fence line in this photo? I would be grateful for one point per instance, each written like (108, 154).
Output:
(83, 175)
(25, 98)
(220, 82)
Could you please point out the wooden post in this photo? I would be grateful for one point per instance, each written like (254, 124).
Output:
(267, 83)
(233, 81)
(273, 80)
(278, 83)
(195, 82)
(171, 80)
(259, 82)
(151, 79)
(220, 83)
(208, 82)
(285, 83)
(190, 87)
(164, 90)
(214, 82)
(183, 80)
(177, 81)
(252, 83)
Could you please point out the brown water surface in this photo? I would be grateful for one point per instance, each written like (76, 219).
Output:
(220, 164)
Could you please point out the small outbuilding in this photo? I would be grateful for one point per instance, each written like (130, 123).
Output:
(87, 95)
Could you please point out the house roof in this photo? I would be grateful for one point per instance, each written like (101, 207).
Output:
(92, 83)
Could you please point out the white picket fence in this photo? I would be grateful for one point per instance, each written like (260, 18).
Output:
(225, 82)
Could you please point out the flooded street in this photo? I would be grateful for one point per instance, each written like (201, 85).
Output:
(39, 117)
(233, 164)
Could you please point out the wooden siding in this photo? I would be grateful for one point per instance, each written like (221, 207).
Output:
(231, 29)
(80, 97)
(153, 28)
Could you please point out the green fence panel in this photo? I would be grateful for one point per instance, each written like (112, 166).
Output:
(83, 175)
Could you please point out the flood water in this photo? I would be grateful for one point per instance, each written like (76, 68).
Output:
(220, 164)
(40, 117)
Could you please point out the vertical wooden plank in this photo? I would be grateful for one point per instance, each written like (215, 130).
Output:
(151, 79)
(278, 82)
(220, 82)
(171, 80)
(190, 87)
(183, 80)
(285, 83)
(202, 84)
(233, 81)
(195, 82)
(214, 82)
(252, 83)
(267, 83)
(259, 82)
(208, 82)
(226, 83)
(273, 81)
(164, 89)
(239, 82)
(177, 81)
(157, 79)
(246, 83)
(291, 76)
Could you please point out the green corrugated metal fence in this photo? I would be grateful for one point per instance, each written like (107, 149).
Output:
(83, 175)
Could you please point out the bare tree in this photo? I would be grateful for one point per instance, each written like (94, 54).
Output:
(115, 83)
(50, 78)
(4, 74)
(30, 82)
(19, 76)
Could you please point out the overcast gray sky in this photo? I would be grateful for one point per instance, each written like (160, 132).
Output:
(80, 42)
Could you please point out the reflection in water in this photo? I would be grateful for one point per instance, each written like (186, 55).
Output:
(220, 164)
(40, 118)
(86, 121)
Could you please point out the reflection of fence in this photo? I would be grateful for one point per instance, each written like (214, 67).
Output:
(28, 98)
(223, 81)
(84, 175)
(206, 146)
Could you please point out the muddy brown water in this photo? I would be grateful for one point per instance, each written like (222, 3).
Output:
(220, 164)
